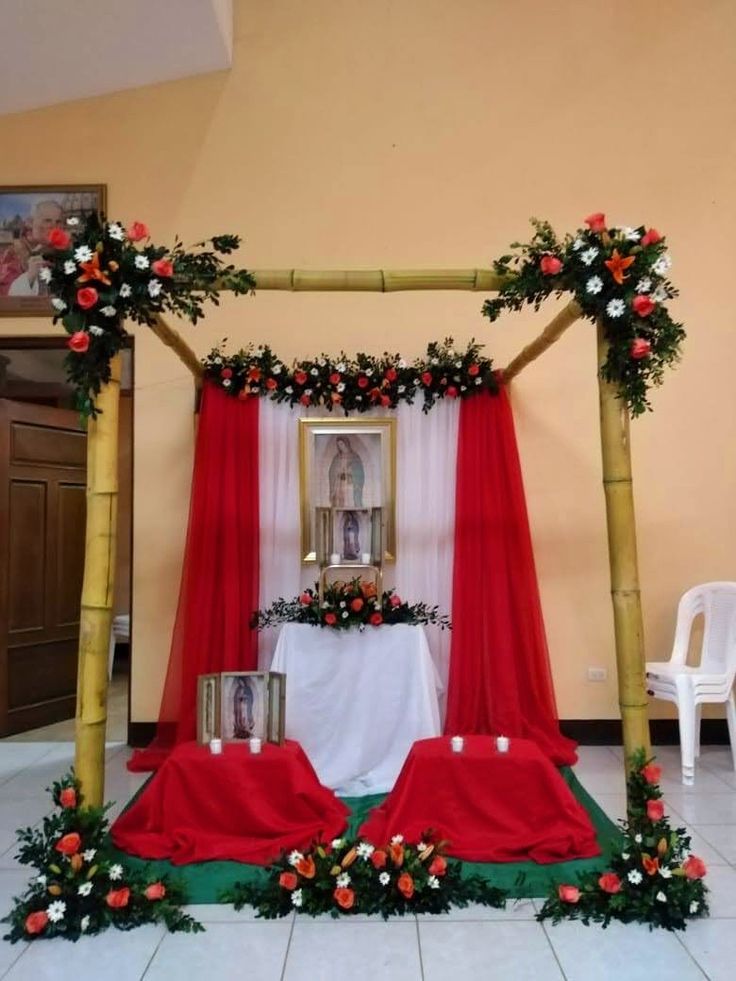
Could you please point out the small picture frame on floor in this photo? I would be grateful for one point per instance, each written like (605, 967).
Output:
(276, 707)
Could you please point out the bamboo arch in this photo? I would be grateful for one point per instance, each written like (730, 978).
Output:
(97, 593)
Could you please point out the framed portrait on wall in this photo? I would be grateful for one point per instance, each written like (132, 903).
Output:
(208, 707)
(243, 705)
(27, 215)
(348, 466)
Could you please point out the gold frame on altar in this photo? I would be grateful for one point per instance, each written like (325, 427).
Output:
(381, 485)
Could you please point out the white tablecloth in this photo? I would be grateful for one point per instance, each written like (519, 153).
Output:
(358, 701)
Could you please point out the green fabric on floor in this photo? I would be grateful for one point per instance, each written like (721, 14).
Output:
(206, 881)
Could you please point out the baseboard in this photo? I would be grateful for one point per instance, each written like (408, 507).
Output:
(665, 732)
(141, 733)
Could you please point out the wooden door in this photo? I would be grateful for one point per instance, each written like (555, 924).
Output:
(43, 460)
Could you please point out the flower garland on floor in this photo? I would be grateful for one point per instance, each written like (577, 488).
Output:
(347, 877)
(354, 384)
(346, 605)
(652, 878)
(78, 890)
(618, 276)
(100, 273)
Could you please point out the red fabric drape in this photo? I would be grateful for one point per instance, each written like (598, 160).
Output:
(219, 584)
(500, 679)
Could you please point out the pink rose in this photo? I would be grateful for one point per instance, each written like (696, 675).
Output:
(655, 810)
(395, 600)
(330, 619)
(426, 377)
(78, 342)
(305, 599)
(643, 305)
(473, 370)
(69, 844)
(163, 267)
(596, 222)
(375, 619)
(451, 392)
(157, 890)
(36, 922)
(651, 238)
(357, 604)
(68, 796)
(651, 773)
(87, 297)
(610, 882)
(138, 231)
(118, 898)
(550, 265)
(640, 348)
(568, 894)
(694, 867)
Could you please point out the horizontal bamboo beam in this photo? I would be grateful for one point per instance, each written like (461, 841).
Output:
(377, 280)
(173, 339)
(551, 333)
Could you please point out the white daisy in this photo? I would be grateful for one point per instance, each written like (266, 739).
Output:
(307, 391)
(421, 846)
(478, 380)
(638, 839)
(345, 614)
(634, 877)
(72, 222)
(358, 398)
(141, 262)
(70, 267)
(369, 372)
(116, 231)
(226, 383)
(401, 389)
(594, 285)
(644, 285)
(259, 352)
(665, 872)
(84, 923)
(85, 889)
(108, 311)
(276, 370)
(58, 304)
(96, 331)
(297, 898)
(83, 253)
(589, 255)
(41, 880)
(397, 839)
(578, 244)
(365, 850)
(458, 364)
(295, 857)
(288, 390)
(694, 906)
(314, 371)
(115, 872)
(663, 265)
(321, 362)
(154, 288)
(56, 910)
(630, 234)
(89, 854)
(45, 274)
(384, 878)
(343, 603)
(417, 382)
(125, 290)
(660, 897)
(341, 387)
(463, 388)
(615, 308)
(434, 361)
(217, 360)
(433, 882)
(341, 366)
(625, 856)
(343, 880)
(660, 295)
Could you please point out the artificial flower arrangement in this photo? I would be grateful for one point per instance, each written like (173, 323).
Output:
(78, 889)
(652, 878)
(348, 604)
(354, 384)
(99, 273)
(347, 877)
(619, 277)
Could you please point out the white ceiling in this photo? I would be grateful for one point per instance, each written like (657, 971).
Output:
(53, 51)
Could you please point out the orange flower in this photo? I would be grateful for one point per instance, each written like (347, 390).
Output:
(344, 897)
(69, 844)
(396, 851)
(406, 885)
(610, 882)
(378, 859)
(76, 862)
(118, 898)
(617, 265)
(438, 866)
(287, 880)
(368, 589)
(651, 865)
(36, 922)
(92, 272)
(68, 797)
(305, 866)
(254, 374)
(349, 858)
(662, 847)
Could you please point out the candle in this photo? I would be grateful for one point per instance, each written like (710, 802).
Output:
(335, 558)
(457, 744)
(215, 746)
(366, 557)
(502, 744)
(255, 744)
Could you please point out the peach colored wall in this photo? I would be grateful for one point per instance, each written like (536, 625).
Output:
(424, 134)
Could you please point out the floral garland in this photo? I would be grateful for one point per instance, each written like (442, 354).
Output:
(346, 605)
(652, 879)
(618, 276)
(354, 384)
(347, 877)
(100, 273)
(78, 890)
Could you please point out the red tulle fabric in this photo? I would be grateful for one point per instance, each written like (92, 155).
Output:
(219, 584)
(500, 680)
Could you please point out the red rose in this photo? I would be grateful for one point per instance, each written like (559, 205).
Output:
(87, 297)
(287, 880)
(334, 378)
(330, 619)
(357, 604)
(375, 394)
(568, 894)
(300, 377)
(69, 844)
(643, 305)
(396, 851)
(271, 383)
(138, 231)
(68, 797)
(451, 392)
(163, 267)
(694, 867)
(651, 773)
(78, 342)
(610, 882)
(385, 401)
(118, 898)
(406, 885)
(157, 890)
(58, 238)
(550, 265)
(473, 370)
(306, 867)
(362, 382)
(378, 859)
(305, 399)
(655, 810)
(438, 866)
(376, 619)
(344, 897)
(36, 922)
(640, 348)
(391, 374)
(254, 373)
(651, 238)
(426, 377)
(306, 599)
(395, 600)
(226, 373)
(596, 222)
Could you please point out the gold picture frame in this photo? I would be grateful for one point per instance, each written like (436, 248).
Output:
(348, 465)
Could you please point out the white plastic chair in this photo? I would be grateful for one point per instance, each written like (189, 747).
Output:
(712, 680)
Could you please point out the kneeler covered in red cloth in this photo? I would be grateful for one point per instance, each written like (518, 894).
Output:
(239, 806)
(490, 806)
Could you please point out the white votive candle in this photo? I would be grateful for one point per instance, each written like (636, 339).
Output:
(502, 744)
(335, 558)
(215, 746)
(366, 557)
(457, 743)
(255, 744)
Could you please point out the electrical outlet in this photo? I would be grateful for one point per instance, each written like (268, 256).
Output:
(597, 674)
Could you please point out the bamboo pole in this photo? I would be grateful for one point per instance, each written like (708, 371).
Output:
(97, 589)
(173, 339)
(376, 280)
(625, 595)
(551, 333)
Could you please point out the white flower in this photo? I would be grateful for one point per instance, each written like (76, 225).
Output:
(397, 839)
(341, 387)
(630, 234)
(463, 388)
(96, 331)
(660, 897)
(694, 906)
(41, 880)
(116, 231)
(345, 614)
(402, 363)
(660, 295)
(58, 304)
(434, 361)
(417, 382)
(384, 878)
(141, 262)
(314, 371)
(259, 352)
(578, 244)
(84, 923)
(365, 850)
(343, 603)
(615, 308)
(307, 391)
(72, 222)
(276, 370)
(115, 872)
(288, 390)
(433, 882)
(89, 854)
(644, 285)
(85, 889)
(594, 285)
(458, 364)
(45, 274)
(218, 360)
(421, 846)
(625, 856)
(638, 839)
(343, 880)
(70, 267)
(478, 380)
(83, 253)
(108, 311)
(665, 872)
(369, 372)
(154, 287)
(296, 898)
(125, 290)
(341, 366)
(662, 266)
(358, 398)
(295, 857)
(588, 256)
(56, 910)
(401, 389)
(322, 362)
(226, 383)
(634, 877)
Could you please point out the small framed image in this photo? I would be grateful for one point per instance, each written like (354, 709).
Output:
(243, 705)
(276, 707)
(27, 215)
(208, 708)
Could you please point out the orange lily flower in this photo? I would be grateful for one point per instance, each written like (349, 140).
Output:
(651, 865)
(92, 271)
(617, 265)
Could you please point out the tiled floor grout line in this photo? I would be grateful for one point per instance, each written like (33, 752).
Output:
(11, 966)
(150, 959)
(419, 948)
(678, 934)
(551, 947)
(288, 946)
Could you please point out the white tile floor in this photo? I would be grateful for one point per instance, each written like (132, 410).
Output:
(473, 944)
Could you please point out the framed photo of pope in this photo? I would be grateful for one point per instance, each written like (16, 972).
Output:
(348, 466)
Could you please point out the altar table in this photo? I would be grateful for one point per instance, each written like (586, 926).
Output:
(490, 806)
(239, 806)
(356, 701)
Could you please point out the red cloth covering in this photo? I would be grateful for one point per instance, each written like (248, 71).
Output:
(500, 678)
(239, 806)
(490, 806)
